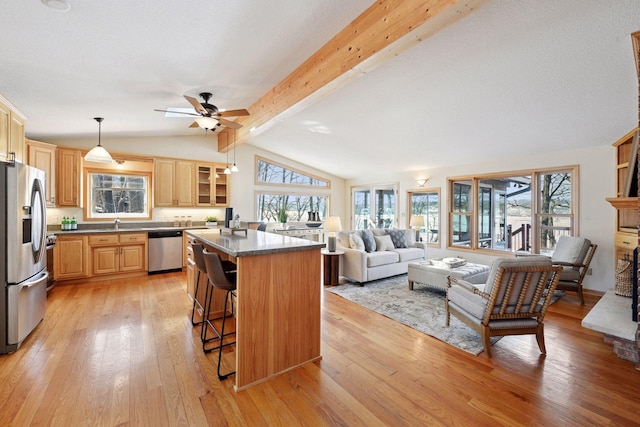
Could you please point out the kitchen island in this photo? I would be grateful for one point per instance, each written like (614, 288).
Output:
(278, 300)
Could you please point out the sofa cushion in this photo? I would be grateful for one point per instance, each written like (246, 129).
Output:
(384, 243)
(571, 249)
(398, 237)
(375, 259)
(355, 242)
(369, 241)
(411, 237)
(409, 254)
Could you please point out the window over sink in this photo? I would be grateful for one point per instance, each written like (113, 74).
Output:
(111, 194)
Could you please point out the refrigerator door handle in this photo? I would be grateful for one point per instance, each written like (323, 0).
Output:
(36, 280)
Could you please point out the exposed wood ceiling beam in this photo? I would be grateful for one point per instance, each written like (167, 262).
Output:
(381, 32)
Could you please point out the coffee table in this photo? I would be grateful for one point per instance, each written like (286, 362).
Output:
(425, 273)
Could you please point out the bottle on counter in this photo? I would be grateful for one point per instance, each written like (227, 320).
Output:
(189, 221)
(183, 221)
(65, 223)
(176, 221)
(74, 223)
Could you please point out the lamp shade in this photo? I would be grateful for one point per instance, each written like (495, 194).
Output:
(332, 224)
(206, 123)
(416, 221)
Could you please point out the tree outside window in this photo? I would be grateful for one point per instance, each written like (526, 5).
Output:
(427, 204)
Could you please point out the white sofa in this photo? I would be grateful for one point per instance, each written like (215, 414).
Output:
(361, 265)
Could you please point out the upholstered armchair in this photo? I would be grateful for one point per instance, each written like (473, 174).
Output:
(514, 300)
(574, 255)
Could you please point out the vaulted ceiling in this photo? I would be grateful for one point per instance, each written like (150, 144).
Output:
(502, 79)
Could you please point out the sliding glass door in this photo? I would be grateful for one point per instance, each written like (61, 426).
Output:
(375, 207)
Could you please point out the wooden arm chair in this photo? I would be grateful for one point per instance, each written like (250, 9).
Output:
(512, 302)
(574, 255)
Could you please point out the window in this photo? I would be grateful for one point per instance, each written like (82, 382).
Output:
(272, 173)
(427, 203)
(300, 197)
(375, 207)
(522, 211)
(295, 207)
(112, 195)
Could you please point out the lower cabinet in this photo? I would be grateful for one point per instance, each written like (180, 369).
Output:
(118, 253)
(71, 257)
(97, 256)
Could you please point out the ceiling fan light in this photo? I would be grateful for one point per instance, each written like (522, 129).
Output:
(206, 123)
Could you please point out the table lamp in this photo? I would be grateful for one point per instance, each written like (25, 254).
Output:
(416, 222)
(332, 225)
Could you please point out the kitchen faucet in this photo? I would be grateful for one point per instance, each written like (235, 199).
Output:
(116, 222)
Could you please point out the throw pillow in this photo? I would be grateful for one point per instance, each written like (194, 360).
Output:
(369, 242)
(398, 237)
(355, 242)
(383, 243)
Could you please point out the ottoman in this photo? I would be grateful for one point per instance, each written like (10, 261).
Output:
(426, 273)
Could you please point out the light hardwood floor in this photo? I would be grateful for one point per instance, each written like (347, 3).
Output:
(124, 353)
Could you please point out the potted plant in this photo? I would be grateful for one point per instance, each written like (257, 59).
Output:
(282, 217)
(211, 221)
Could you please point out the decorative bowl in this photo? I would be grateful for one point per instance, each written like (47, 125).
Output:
(313, 224)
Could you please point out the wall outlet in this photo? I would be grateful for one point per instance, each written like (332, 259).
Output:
(589, 272)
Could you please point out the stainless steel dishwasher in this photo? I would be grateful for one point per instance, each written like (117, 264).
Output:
(165, 251)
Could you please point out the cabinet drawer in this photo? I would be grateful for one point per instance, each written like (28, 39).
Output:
(626, 241)
(133, 238)
(103, 239)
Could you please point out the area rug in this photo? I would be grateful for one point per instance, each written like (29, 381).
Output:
(422, 309)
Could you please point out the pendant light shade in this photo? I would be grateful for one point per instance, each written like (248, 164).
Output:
(98, 153)
(234, 168)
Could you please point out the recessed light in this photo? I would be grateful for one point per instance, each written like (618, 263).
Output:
(59, 5)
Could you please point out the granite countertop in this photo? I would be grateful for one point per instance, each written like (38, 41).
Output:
(254, 243)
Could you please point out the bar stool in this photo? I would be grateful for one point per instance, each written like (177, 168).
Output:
(201, 267)
(225, 281)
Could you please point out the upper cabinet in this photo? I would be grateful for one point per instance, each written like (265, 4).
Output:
(174, 183)
(212, 188)
(11, 132)
(43, 156)
(68, 177)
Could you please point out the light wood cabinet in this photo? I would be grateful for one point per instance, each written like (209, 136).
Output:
(174, 183)
(212, 187)
(11, 133)
(68, 177)
(43, 156)
(118, 253)
(70, 257)
(626, 200)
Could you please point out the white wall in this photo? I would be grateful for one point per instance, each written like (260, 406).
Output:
(203, 148)
(596, 216)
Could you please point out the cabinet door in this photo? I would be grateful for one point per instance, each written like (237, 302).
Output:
(165, 171)
(204, 185)
(43, 156)
(191, 278)
(16, 137)
(70, 257)
(5, 114)
(68, 178)
(105, 260)
(184, 183)
(132, 258)
(221, 187)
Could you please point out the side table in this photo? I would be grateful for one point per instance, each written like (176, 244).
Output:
(331, 267)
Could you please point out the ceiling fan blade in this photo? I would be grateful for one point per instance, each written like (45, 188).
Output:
(229, 124)
(179, 112)
(194, 125)
(196, 105)
(232, 113)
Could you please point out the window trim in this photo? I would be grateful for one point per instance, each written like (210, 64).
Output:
(436, 190)
(535, 204)
(86, 210)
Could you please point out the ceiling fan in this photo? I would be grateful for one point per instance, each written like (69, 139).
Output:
(208, 115)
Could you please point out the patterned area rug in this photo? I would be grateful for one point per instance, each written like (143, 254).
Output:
(422, 309)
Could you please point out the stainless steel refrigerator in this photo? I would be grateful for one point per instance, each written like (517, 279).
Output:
(23, 267)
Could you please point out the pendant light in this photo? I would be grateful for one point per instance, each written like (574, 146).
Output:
(98, 153)
(227, 171)
(234, 168)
